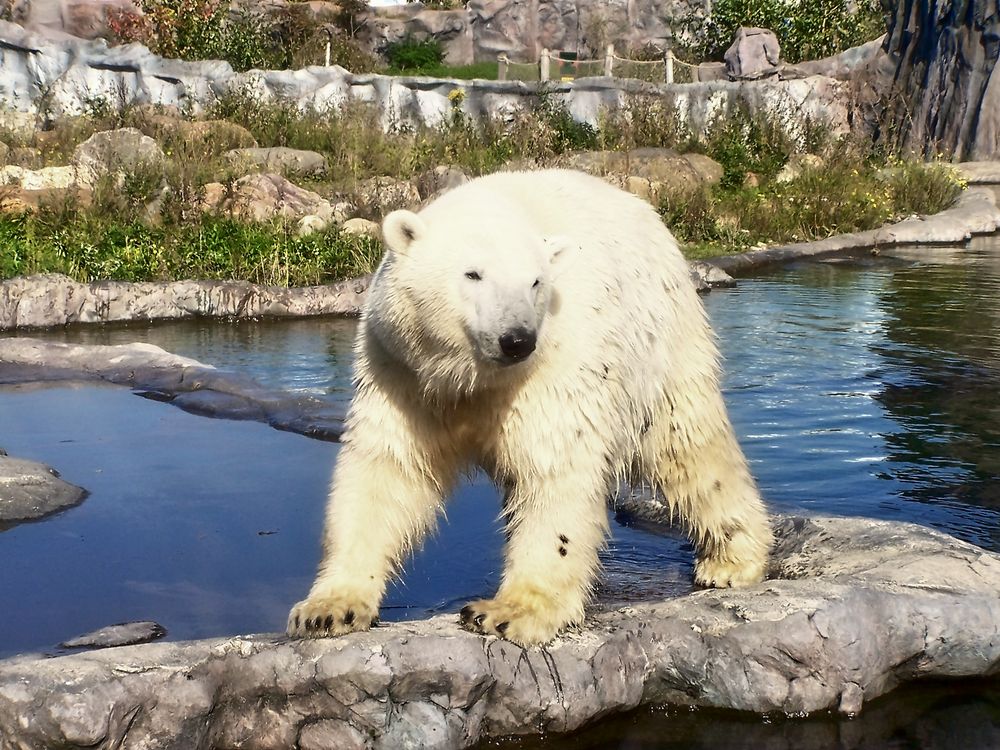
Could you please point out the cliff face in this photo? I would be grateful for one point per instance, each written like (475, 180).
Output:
(941, 79)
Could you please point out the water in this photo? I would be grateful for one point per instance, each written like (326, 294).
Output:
(858, 388)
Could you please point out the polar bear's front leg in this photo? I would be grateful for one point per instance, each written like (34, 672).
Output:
(384, 498)
(555, 533)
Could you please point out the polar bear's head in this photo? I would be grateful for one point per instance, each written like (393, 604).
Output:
(483, 286)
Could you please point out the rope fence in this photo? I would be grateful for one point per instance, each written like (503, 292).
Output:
(552, 66)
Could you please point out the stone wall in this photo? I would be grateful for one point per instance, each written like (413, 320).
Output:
(43, 77)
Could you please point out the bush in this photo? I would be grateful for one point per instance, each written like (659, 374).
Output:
(806, 29)
(410, 55)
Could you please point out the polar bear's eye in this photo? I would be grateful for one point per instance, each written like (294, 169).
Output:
(473, 276)
(537, 282)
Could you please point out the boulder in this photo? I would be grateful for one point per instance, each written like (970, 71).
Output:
(796, 165)
(46, 178)
(122, 151)
(378, 196)
(311, 223)
(755, 53)
(290, 162)
(362, 227)
(264, 197)
(852, 607)
(30, 490)
(649, 173)
(434, 182)
(199, 137)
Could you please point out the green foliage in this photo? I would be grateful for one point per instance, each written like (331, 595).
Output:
(806, 29)
(843, 193)
(410, 55)
(89, 247)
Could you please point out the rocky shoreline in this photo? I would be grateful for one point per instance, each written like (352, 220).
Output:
(853, 608)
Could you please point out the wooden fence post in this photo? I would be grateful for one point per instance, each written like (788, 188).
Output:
(502, 67)
(543, 66)
(609, 60)
(668, 66)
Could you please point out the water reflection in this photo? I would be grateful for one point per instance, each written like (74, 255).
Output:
(869, 387)
(938, 716)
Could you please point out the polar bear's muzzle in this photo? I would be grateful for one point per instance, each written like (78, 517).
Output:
(517, 344)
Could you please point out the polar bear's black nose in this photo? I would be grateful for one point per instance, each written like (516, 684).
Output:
(517, 343)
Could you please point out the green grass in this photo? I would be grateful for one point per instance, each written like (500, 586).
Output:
(110, 236)
(482, 70)
(90, 248)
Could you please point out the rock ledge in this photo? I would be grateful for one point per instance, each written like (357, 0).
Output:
(853, 608)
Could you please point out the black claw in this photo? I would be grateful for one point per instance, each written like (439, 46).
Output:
(349, 617)
(478, 621)
(328, 622)
(309, 623)
(296, 621)
(373, 623)
(466, 614)
(502, 628)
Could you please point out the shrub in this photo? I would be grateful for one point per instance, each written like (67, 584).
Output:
(411, 55)
(806, 29)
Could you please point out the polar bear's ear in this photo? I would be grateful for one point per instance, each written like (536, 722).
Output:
(400, 229)
(560, 249)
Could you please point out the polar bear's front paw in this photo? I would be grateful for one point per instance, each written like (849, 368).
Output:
(722, 574)
(322, 616)
(742, 562)
(524, 624)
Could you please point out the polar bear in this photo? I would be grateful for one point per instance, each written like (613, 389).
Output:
(544, 327)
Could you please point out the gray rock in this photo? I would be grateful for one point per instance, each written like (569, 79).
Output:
(362, 226)
(707, 276)
(162, 376)
(289, 162)
(434, 182)
(122, 151)
(754, 53)
(54, 300)
(378, 196)
(122, 634)
(853, 608)
(263, 197)
(30, 490)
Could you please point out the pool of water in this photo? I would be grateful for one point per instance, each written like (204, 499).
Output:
(858, 387)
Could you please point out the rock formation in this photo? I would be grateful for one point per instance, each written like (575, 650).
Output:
(43, 77)
(29, 491)
(156, 374)
(939, 83)
(852, 608)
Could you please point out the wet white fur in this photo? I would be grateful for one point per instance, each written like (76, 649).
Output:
(623, 385)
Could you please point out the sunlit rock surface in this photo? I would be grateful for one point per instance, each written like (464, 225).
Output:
(54, 300)
(66, 76)
(162, 376)
(853, 608)
(30, 490)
